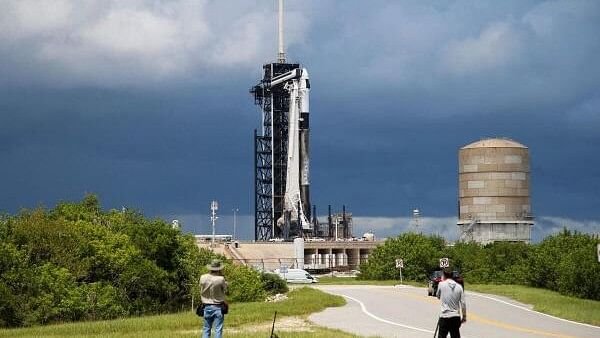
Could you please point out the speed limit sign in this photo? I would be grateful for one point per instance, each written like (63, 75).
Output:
(444, 262)
(399, 263)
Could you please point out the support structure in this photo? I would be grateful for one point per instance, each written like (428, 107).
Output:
(270, 151)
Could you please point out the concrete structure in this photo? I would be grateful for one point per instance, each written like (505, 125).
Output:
(316, 255)
(494, 195)
(337, 255)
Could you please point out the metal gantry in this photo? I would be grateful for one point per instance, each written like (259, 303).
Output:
(270, 152)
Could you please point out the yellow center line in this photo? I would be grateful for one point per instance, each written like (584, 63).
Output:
(477, 318)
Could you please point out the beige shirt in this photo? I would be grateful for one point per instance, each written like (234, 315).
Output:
(213, 288)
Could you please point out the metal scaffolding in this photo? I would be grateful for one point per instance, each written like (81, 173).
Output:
(270, 152)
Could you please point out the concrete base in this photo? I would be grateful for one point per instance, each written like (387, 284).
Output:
(325, 255)
(485, 233)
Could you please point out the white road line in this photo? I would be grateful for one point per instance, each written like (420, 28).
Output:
(364, 309)
(477, 294)
(527, 309)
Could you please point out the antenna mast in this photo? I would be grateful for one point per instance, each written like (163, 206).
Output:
(214, 206)
(281, 54)
(416, 215)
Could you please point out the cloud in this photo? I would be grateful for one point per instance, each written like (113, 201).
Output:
(136, 42)
(511, 51)
(547, 225)
(495, 47)
(201, 224)
(446, 226)
(585, 115)
(381, 226)
(466, 58)
(393, 226)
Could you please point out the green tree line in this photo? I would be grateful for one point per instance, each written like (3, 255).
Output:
(78, 262)
(565, 262)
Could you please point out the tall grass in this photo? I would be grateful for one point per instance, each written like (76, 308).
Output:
(186, 324)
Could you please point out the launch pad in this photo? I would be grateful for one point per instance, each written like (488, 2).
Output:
(282, 157)
(270, 152)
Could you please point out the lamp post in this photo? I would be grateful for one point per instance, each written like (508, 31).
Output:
(214, 206)
(235, 211)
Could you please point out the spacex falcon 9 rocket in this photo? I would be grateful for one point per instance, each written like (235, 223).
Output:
(281, 156)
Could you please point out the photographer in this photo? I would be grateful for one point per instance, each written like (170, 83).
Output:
(213, 288)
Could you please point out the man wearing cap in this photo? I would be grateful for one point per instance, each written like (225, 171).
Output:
(213, 288)
(452, 296)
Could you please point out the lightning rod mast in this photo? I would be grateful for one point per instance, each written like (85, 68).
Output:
(281, 54)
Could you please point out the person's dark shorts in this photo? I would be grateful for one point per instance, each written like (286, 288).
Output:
(449, 325)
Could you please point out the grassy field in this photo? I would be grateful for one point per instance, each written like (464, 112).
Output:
(542, 300)
(243, 320)
(546, 301)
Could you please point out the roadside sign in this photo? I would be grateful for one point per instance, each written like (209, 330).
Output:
(598, 249)
(400, 266)
(283, 269)
(399, 263)
(444, 262)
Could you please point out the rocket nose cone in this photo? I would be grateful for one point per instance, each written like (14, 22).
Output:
(304, 73)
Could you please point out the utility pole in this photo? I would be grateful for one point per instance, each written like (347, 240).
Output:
(235, 211)
(214, 206)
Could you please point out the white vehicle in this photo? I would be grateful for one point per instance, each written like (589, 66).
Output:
(296, 276)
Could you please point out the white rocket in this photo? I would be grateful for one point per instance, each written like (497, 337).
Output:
(296, 198)
(296, 82)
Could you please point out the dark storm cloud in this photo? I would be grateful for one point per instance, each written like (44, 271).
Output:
(147, 104)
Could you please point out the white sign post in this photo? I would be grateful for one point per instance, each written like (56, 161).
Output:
(444, 262)
(598, 249)
(400, 265)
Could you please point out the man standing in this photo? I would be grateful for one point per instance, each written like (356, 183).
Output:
(452, 296)
(213, 288)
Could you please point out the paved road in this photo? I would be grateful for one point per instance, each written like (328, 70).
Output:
(388, 311)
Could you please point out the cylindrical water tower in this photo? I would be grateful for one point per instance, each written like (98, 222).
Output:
(494, 194)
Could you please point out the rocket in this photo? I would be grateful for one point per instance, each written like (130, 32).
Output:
(304, 90)
(297, 198)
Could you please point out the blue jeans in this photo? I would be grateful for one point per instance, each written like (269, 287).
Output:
(212, 314)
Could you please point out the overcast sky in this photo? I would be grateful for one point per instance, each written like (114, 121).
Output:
(146, 103)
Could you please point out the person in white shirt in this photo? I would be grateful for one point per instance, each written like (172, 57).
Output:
(452, 297)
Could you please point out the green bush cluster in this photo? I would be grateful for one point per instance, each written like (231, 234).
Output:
(273, 283)
(77, 262)
(564, 262)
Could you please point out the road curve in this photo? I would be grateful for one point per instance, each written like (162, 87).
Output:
(387, 311)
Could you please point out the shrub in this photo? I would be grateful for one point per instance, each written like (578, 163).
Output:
(78, 262)
(419, 252)
(564, 262)
(244, 284)
(274, 284)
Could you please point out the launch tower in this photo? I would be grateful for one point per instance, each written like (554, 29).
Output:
(281, 153)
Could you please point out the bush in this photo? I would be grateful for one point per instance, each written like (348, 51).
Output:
(78, 262)
(567, 262)
(244, 284)
(564, 262)
(273, 284)
(419, 252)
